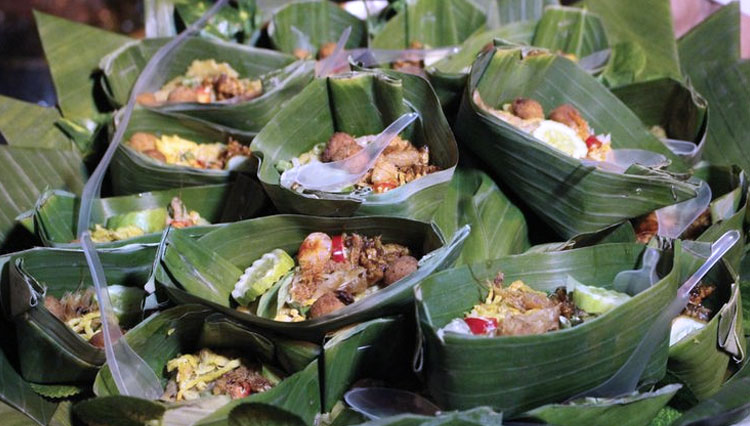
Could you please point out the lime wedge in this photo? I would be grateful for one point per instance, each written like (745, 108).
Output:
(682, 326)
(561, 137)
(595, 300)
(261, 275)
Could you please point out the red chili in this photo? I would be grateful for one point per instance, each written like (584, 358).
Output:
(592, 142)
(385, 186)
(244, 391)
(481, 325)
(338, 252)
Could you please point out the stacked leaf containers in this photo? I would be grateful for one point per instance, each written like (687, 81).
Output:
(256, 299)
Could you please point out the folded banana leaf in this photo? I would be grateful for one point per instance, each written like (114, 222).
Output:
(433, 23)
(55, 216)
(571, 197)
(518, 373)
(206, 270)
(498, 227)
(282, 78)
(674, 107)
(479, 416)
(703, 359)
(50, 352)
(502, 12)
(310, 24)
(646, 26)
(635, 410)
(187, 329)
(358, 103)
(239, 22)
(133, 172)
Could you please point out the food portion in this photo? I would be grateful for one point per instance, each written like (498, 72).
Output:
(209, 373)
(411, 63)
(79, 310)
(325, 51)
(177, 151)
(135, 224)
(647, 226)
(400, 163)
(330, 272)
(205, 81)
(519, 310)
(565, 129)
(695, 316)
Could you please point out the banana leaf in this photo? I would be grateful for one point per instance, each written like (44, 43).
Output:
(498, 228)
(636, 410)
(677, 108)
(133, 172)
(503, 12)
(282, 78)
(31, 125)
(205, 271)
(518, 373)
(647, 24)
(370, 350)
(358, 103)
(571, 197)
(74, 69)
(49, 351)
(479, 416)
(312, 23)
(56, 213)
(189, 328)
(433, 23)
(570, 30)
(703, 358)
(238, 22)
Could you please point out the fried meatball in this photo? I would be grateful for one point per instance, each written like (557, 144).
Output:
(300, 53)
(182, 94)
(527, 109)
(326, 304)
(400, 268)
(568, 115)
(156, 155)
(143, 142)
(340, 146)
(326, 50)
(146, 99)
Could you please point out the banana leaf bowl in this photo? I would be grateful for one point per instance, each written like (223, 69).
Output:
(186, 329)
(54, 218)
(132, 172)
(514, 374)
(359, 103)
(571, 197)
(205, 270)
(703, 359)
(50, 352)
(310, 24)
(281, 76)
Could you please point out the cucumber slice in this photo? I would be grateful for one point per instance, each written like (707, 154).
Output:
(261, 275)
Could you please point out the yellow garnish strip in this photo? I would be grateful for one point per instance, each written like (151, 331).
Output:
(84, 325)
(207, 378)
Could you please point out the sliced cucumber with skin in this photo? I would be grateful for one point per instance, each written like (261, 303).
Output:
(595, 300)
(261, 276)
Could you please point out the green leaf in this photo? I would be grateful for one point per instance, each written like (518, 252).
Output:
(634, 410)
(433, 23)
(498, 228)
(570, 30)
(31, 126)
(26, 172)
(473, 417)
(238, 22)
(502, 12)
(309, 25)
(627, 65)
(73, 68)
(647, 23)
(118, 411)
(571, 197)
(359, 103)
(262, 415)
(200, 273)
(716, 39)
(518, 373)
(57, 391)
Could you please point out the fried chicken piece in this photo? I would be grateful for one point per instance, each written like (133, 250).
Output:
(646, 228)
(695, 306)
(537, 322)
(698, 226)
(568, 115)
(146, 99)
(142, 142)
(71, 305)
(410, 63)
(182, 94)
(400, 268)
(226, 87)
(326, 50)
(340, 146)
(234, 149)
(325, 304)
(240, 383)
(527, 109)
